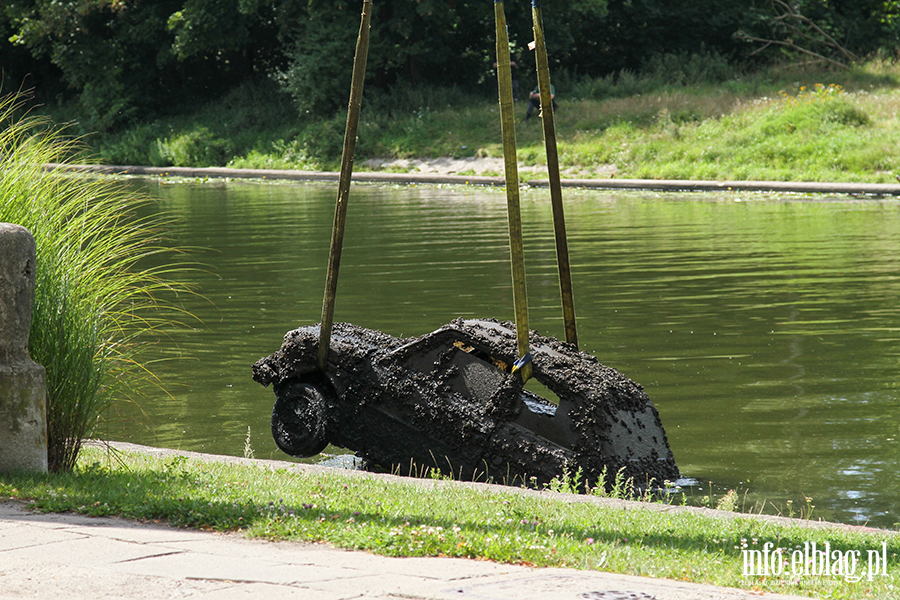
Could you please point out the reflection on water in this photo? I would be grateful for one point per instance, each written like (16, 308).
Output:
(765, 329)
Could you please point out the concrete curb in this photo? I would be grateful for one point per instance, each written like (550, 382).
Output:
(666, 185)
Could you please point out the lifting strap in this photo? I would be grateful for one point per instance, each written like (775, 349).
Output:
(340, 211)
(516, 252)
(559, 219)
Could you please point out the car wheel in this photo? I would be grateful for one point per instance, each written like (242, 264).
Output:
(298, 420)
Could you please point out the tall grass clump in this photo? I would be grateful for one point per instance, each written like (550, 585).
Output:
(92, 303)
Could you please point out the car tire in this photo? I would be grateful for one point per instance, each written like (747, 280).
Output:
(298, 420)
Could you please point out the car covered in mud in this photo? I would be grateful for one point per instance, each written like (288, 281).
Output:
(450, 400)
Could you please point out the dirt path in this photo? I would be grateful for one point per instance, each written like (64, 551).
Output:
(474, 165)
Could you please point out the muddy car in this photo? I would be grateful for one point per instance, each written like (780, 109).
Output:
(450, 400)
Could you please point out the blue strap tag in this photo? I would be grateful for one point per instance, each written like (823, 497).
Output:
(521, 362)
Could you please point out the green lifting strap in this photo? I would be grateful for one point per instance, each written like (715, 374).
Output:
(559, 219)
(516, 252)
(340, 211)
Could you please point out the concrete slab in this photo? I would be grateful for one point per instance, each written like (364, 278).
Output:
(257, 591)
(561, 584)
(14, 536)
(85, 551)
(390, 585)
(71, 583)
(219, 567)
(441, 569)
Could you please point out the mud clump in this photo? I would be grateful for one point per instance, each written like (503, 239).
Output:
(447, 400)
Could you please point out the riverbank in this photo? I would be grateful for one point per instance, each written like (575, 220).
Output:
(446, 174)
(402, 517)
(780, 125)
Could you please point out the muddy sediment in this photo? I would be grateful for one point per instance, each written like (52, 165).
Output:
(448, 400)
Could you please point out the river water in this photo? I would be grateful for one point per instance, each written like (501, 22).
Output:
(765, 328)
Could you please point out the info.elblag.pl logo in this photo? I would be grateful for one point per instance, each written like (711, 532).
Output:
(814, 561)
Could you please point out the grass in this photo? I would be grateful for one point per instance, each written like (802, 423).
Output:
(92, 304)
(703, 120)
(443, 518)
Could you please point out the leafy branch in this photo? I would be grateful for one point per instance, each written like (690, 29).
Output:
(801, 34)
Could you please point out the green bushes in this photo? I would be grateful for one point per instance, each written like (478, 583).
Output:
(196, 147)
(661, 72)
(92, 301)
(247, 120)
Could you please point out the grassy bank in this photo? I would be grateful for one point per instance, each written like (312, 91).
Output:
(781, 124)
(448, 519)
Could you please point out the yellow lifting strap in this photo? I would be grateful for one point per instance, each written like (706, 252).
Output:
(559, 219)
(340, 211)
(516, 252)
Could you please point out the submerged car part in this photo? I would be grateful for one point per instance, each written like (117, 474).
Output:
(449, 400)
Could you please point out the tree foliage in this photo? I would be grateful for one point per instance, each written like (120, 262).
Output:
(126, 59)
(106, 50)
(123, 59)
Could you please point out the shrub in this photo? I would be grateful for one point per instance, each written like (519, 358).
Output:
(93, 302)
(814, 109)
(198, 147)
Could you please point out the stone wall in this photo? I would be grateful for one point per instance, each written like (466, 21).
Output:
(23, 388)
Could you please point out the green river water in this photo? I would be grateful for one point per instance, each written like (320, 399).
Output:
(765, 328)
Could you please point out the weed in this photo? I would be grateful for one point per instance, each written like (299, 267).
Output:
(248, 448)
(568, 482)
(436, 475)
(621, 488)
(728, 502)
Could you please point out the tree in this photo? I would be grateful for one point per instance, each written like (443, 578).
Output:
(129, 59)
(836, 32)
(107, 51)
(126, 60)
(436, 42)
